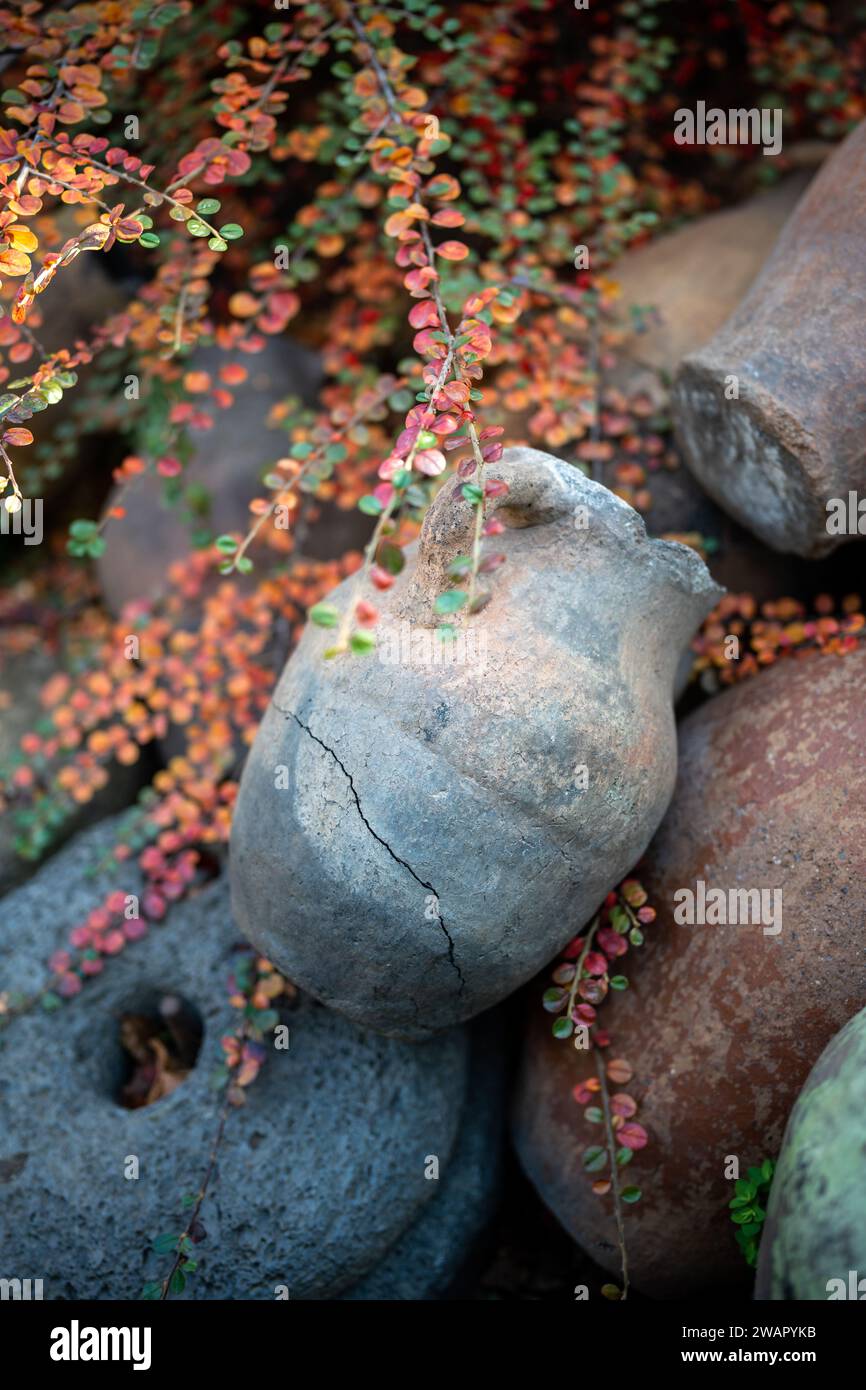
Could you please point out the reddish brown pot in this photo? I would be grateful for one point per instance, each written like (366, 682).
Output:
(795, 436)
(721, 1023)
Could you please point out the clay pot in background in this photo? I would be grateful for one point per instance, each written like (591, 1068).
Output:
(795, 436)
(815, 1229)
(693, 278)
(413, 838)
(721, 1023)
(229, 461)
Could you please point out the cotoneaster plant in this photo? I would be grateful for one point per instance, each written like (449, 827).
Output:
(436, 198)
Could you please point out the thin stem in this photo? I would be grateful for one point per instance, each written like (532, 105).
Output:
(614, 1175)
(588, 940)
(479, 515)
(385, 516)
(164, 197)
(381, 75)
(10, 470)
(181, 1255)
(286, 492)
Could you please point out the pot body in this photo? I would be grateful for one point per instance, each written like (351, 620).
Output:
(814, 1238)
(414, 836)
(722, 1021)
(793, 440)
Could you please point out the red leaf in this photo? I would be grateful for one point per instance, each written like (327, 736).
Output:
(424, 314)
(596, 963)
(633, 1136)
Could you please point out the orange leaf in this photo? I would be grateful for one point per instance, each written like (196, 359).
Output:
(17, 435)
(452, 250)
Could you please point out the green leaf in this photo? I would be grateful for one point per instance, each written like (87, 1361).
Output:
(207, 206)
(227, 544)
(554, 998)
(391, 558)
(618, 982)
(197, 228)
(166, 1243)
(178, 1282)
(562, 1028)
(450, 602)
(370, 505)
(743, 1188)
(624, 1156)
(362, 643)
(149, 240)
(324, 615)
(631, 1194)
(152, 1291)
(593, 1114)
(231, 231)
(472, 493)
(594, 1159)
(216, 243)
(460, 565)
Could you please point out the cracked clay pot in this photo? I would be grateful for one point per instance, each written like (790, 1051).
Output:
(420, 830)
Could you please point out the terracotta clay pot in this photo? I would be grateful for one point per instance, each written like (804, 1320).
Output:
(721, 1023)
(415, 837)
(681, 287)
(794, 437)
(814, 1237)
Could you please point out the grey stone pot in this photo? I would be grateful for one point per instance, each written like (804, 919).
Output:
(415, 838)
(429, 1257)
(814, 1238)
(320, 1173)
(790, 444)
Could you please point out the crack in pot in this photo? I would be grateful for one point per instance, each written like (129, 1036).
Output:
(288, 713)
